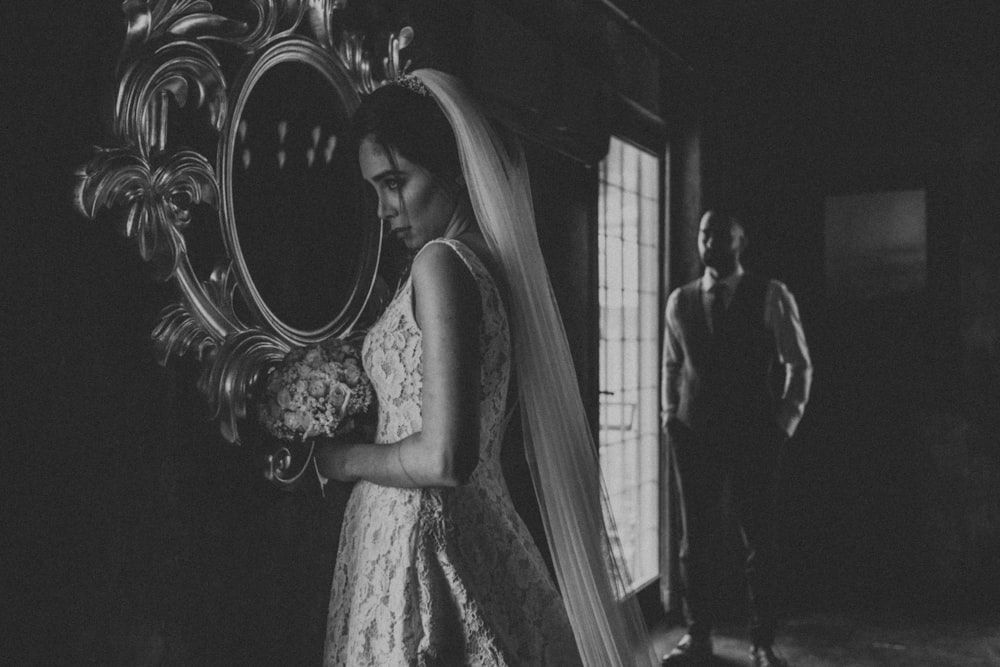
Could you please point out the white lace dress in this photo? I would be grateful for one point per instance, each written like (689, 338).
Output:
(441, 576)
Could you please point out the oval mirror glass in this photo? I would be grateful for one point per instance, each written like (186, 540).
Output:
(300, 227)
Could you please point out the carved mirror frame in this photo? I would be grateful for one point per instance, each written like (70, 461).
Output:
(181, 54)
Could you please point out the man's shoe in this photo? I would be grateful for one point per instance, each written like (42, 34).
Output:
(763, 656)
(689, 651)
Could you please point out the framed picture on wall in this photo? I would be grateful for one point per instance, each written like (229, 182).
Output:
(876, 244)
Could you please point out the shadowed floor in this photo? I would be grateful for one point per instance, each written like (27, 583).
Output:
(863, 640)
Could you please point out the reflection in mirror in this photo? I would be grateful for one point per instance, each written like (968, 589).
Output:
(297, 198)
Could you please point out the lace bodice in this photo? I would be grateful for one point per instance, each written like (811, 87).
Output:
(436, 576)
(393, 361)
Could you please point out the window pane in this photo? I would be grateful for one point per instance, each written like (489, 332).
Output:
(614, 163)
(649, 279)
(612, 277)
(630, 216)
(612, 209)
(649, 174)
(648, 219)
(630, 168)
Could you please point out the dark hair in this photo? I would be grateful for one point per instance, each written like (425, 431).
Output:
(411, 123)
(728, 216)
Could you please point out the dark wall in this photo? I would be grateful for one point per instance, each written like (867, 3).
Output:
(138, 535)
(892, 481)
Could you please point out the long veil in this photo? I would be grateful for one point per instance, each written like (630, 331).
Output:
(559, 445)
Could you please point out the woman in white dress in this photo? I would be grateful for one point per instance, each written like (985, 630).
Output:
(434, 566)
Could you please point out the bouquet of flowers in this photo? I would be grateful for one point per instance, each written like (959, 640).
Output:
(316, 390)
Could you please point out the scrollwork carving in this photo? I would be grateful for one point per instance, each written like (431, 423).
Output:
(172, 57)
(158, 198)
(148, 21)
(186, 324)
(275, 19)
(173, 70)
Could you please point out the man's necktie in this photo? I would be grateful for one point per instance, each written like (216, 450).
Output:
(718, 306)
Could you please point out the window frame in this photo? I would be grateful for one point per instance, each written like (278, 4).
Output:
(649, 135)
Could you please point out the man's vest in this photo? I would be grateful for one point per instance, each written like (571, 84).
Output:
(726, 376)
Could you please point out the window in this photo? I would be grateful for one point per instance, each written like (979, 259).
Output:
(630, 301)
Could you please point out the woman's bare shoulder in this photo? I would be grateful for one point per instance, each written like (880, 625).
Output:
(441, 280)
(438, 261)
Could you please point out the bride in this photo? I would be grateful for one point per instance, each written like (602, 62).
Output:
(434, 566)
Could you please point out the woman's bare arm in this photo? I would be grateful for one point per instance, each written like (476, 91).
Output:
(445, 452)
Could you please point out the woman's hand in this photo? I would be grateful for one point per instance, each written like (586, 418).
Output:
(332, 457)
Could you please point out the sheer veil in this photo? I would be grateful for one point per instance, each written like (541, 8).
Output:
(559, 445)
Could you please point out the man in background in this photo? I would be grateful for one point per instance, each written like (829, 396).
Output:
(736, 381)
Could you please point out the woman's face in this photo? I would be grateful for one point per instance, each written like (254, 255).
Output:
(411, 200)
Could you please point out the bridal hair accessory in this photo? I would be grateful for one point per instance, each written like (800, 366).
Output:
(411, 83)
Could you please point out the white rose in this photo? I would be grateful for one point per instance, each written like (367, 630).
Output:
(317, 388)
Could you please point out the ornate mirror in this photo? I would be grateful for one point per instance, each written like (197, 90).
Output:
(229, 133)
